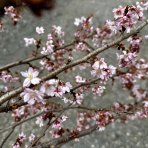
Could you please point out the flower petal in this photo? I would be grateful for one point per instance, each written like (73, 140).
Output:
(35, 73)
(26, 82)
(24, 74)
(35, 81)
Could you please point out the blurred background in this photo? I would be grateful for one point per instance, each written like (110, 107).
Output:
(118, 135)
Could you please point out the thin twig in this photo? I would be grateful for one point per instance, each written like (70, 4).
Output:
(21, 122)
(26, 61)
(6, 138)
(16, 105)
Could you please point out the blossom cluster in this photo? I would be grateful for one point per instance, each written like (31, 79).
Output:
(7, 80)
(13, 14)
(102, 70)
(44, 86)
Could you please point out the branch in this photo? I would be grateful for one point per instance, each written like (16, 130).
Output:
(26, 61)
(59, 141)
(6, 138)
(21, 122)
(9, 95)
(10, 107)
(45, 129)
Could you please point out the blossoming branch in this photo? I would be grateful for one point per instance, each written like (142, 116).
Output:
(44, 94)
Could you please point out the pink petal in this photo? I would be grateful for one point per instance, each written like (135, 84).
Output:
(26, 82)
(24, 74)
(35, 81)
(35, 73)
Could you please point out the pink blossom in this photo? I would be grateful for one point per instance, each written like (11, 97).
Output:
(13, 13)
(139, 94)
(49, 46)
(55, 87)
(98, 90)
(79, 98)
(31, 137)
(79, 79)
(31, 96)
(58, 123)
(66, 87)
(58, 30)
(7, 78)
(22, 137)
(17, 113)
(49, 87)
(101, 70)
(126, 58)
(118, 12)
(31, 77)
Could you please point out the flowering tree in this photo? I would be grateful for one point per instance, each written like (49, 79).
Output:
(42, 93)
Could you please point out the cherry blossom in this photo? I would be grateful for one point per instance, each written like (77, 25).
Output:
(39, 121)
(58, 30)
(118, 12)
(31, 77)
(98, 90)
(55, 87)
(32, 137)
(126, 58)
(7, 78)
(13, 13)
(67, 85)
(145, 103)
(103, 118)
(40, 30)
(32, 96)
(139, 93)
(77, 21)
(58, 122)
(29, 41)
(101, 70)
(18, 113)
(79, 79)
(19, 141)
(49, 87)
(79, 98)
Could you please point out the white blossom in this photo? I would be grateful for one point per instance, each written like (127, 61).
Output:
(39, 30)
(29, 41)
(79, 79)
(31, 77)
(39, 121)
(31, 96)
